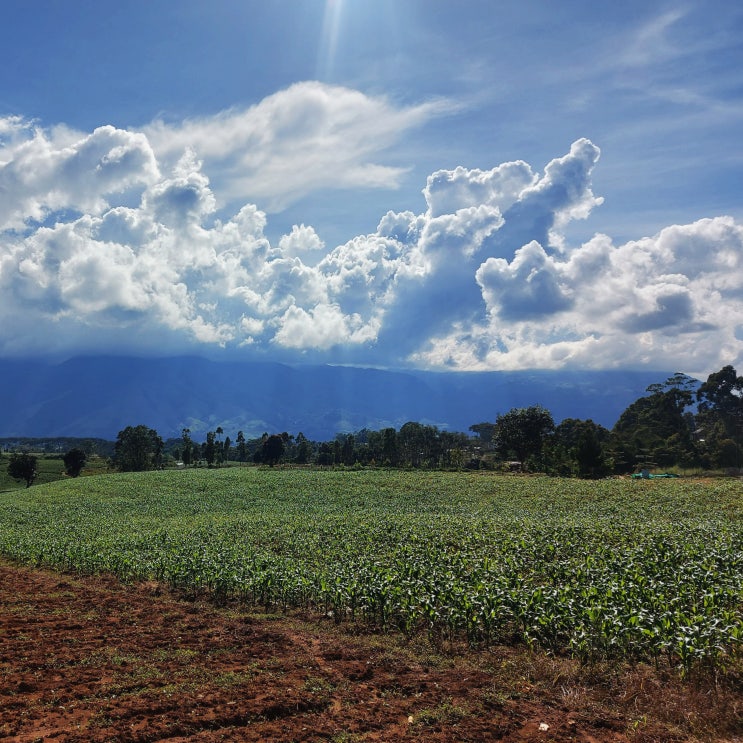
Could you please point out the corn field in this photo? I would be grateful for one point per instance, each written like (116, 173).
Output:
(645, 571)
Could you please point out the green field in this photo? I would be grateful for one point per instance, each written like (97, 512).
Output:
(639, 570)
(49, 468)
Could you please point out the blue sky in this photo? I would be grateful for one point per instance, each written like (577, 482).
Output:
(450, 185)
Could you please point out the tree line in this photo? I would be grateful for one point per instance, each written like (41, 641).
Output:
(679, 423)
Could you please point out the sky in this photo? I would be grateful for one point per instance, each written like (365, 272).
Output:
(440, 184)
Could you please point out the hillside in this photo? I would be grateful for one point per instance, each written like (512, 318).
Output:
(98, 396)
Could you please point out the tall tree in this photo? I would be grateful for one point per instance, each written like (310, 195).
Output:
(591, 456)
(242, 450)
(209, 449)
(74, 461)
(720, 417)
(304, 449)
(138, 448)
(390, 449)
(721, 396)
(219, 446)
(579, 447)
(522, 432)
(453, 446)
(23, 467)
(348, 451)
(411, 443)
(272, 449)
(655, 429)
(325, 456)
(187, 453)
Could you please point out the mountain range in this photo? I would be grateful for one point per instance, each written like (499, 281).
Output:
(98, 396)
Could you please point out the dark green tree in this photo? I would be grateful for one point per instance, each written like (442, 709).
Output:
(579, 447)
(242, 449)
(74, 461)
(325, 456)
(720, 417)
(591, 455)
(209, 449)
(219, 446)
(522, 432)
(721, 398)
(390, 450)
(656, 430)
(559, 461)
(433, 448)
(414, 445)
(187, 453)
(272, 449)
(138, 448)
(348, 449)
(586, 445)
(304, 449)
(411, 443)
(23, 467)
(372, 452)
(727, 453)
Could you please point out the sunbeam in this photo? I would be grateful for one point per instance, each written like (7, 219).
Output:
(329, 41)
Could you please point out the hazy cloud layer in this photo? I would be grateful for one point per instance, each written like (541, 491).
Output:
(109, 240)
(296, 141)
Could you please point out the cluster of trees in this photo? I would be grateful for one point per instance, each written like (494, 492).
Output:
(680, 423)
(414, 445)
(684, 423)
(22, 465)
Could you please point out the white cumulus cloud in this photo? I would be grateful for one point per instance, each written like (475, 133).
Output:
(111, 240)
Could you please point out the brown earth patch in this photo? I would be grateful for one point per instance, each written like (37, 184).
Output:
(90, 659)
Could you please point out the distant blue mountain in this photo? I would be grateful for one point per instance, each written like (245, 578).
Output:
(98, 396)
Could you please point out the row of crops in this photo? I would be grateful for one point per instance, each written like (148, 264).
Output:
(649, 570)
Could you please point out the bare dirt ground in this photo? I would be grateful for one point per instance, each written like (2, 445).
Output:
(90, 659)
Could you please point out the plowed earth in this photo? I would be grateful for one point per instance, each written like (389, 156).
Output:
(90, 659)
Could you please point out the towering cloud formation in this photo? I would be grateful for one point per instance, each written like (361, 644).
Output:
(109, 240)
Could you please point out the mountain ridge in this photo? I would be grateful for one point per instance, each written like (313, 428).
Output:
(100, 395)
